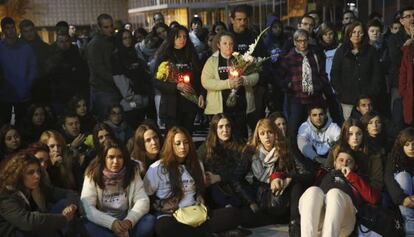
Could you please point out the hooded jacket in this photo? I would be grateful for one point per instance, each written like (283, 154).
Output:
(271, 42)
(313, 142)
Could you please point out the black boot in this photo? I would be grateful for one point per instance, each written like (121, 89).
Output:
(294, 228)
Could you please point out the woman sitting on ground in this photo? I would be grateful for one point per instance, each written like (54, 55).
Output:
(399, 173)
(146, 146)
(64, 168)
(10, 141)
(274, 170)
(29, 207)
(177, 181)
(340, 194)
(225, 170)
(113, 196)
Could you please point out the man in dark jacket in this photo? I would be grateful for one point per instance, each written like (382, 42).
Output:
(99, 52)
(395, 43)
(18, 64)
(243, 37)
(68, 73)
(276, 44)
(42, 52)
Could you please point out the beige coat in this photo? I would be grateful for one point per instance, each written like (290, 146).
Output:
(210, 80)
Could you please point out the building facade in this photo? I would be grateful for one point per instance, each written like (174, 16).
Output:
(141, 11)
(46, 13)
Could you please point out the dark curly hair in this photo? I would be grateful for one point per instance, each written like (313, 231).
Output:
(12, 170)
(397, 154)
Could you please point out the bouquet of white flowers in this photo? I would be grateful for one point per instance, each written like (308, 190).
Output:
(244, 65)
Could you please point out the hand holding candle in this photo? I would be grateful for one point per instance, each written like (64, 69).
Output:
(186, 78)
(234, 73)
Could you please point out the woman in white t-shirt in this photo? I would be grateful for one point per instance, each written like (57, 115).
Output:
(177, 181)
(113, 195)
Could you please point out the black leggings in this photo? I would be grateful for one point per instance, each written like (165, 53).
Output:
(275, 216)
(220, 220)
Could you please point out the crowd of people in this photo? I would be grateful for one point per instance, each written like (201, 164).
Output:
(315, 138)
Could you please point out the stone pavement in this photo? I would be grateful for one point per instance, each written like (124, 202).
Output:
(270, 231)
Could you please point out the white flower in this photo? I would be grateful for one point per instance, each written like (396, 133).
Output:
(248, 58)
(235, 53)
(251, 48)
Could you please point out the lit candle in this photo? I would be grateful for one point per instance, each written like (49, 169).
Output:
(234, 73)
(186, 78)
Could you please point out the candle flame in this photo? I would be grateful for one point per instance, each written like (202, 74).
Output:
(186, 79)
(234, 73)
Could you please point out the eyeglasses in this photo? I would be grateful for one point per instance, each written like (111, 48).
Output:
(301, 41)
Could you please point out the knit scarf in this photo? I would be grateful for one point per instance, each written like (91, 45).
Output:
(263, 164)
(112, 178)
(307, 84)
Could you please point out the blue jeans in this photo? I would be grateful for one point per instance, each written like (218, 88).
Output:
(406, 181)
(297, 114)
(144, 228)
(101, 101)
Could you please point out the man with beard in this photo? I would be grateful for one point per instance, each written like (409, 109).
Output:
(317, 135)
(243, 37)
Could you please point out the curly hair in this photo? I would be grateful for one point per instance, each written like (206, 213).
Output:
(11, 172)
(73, 103)
(3, 132)
(34, 148)
(397, 154)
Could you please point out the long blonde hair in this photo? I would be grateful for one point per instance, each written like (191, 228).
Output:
(280, 143)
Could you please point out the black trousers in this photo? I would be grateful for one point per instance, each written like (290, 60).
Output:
(220, 220)
(275, 215)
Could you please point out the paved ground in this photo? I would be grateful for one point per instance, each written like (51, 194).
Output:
(271, 231)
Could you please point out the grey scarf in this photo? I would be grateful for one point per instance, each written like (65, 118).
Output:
(263, 163)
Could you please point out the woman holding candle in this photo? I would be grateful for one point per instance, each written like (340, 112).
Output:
(184, 79)
(219, 79)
